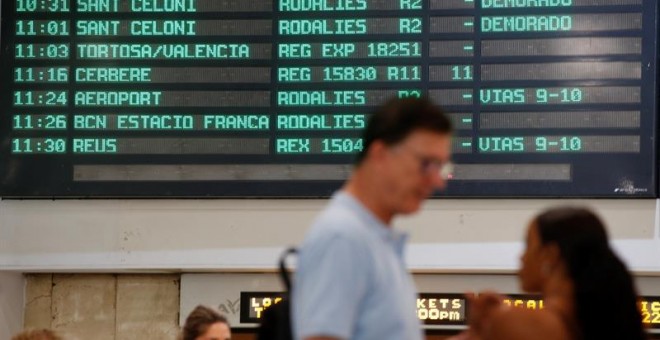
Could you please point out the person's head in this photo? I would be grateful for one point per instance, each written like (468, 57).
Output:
(563, 237)
(204, 323)
(573, 242)
(36, 334)
(407, 145)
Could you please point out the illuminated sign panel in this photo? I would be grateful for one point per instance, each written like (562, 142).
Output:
(253, 304)
(442, 309)
(432, 309)
(439, 309)
(523, 301)
(649, 306)
(263, 98)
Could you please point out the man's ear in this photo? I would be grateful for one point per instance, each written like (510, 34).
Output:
(377, 150)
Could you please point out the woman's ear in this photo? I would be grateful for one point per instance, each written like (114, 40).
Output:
(551, 255)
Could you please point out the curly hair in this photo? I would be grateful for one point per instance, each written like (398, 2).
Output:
(199, 321)
(36, 334)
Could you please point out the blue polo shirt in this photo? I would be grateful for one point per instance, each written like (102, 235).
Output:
(351, 281)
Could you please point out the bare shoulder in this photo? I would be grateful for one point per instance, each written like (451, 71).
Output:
(519, 324)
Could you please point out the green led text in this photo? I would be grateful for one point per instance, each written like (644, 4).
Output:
(137, 27)
(38, 145)
(342, 145)
(531, 96)
(525, 3)
(321, 122)
(501, 144)
(545, 23)
(98, 6)
(321, 5)
(395, 49)
(410, 4)
(94, 145)
(118, 98)
(42, 27)
(323, 27)
(42, 6)
(39, 122)
(463, 72)
(293, 145)
(155, 122)
(236, 122)
(167, 51)
(562, 144)
(41, 74)
(113, 74)
(321, 98)
(145, 6)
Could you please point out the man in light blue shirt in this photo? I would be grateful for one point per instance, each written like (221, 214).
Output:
(351, 281)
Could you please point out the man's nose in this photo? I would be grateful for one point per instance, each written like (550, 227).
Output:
(437, 181)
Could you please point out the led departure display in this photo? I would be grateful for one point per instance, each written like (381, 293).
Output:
(268, 98)
(440, 309)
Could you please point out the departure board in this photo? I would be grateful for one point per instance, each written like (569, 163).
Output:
(268, 98)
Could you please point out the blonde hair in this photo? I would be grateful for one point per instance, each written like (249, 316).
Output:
(36, 334)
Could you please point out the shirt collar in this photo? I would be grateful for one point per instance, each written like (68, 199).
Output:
(394, 237)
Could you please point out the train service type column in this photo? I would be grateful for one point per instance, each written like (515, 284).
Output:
(337, 60)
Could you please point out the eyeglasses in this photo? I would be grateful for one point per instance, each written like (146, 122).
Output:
(432, 166)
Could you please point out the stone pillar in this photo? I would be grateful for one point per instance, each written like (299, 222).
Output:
(147, 307)
(84, 306)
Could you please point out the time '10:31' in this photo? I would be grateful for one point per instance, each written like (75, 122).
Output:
(42, 6)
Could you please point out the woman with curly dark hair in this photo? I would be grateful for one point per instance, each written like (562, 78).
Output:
(587, 291)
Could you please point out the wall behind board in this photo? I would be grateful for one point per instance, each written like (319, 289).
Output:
(229, 235)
